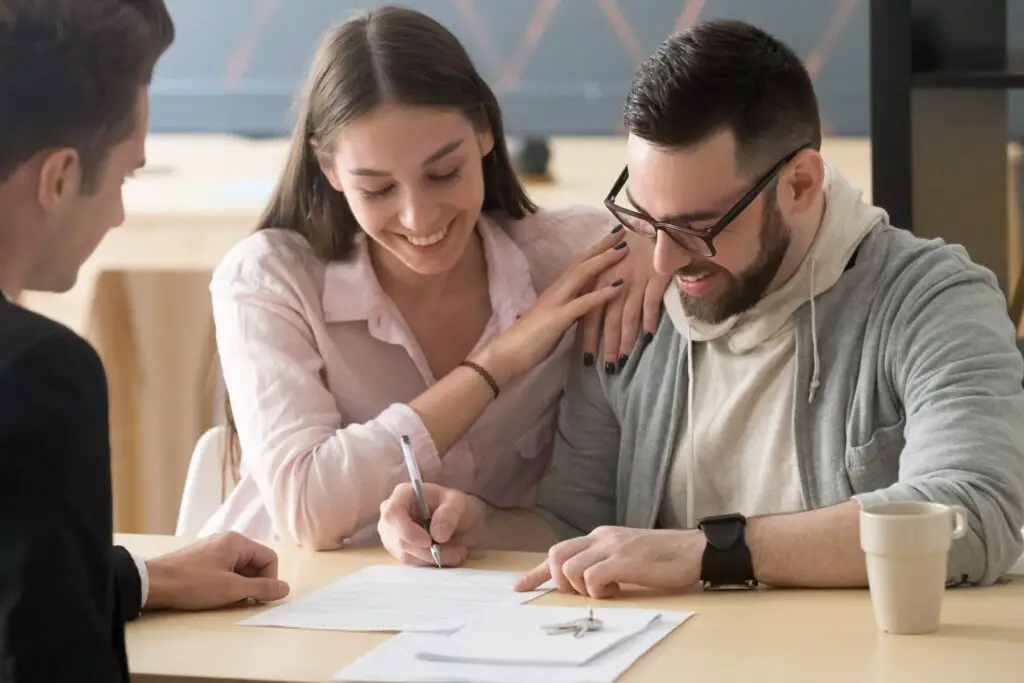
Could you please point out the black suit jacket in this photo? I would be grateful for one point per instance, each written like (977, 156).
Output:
(65, 592)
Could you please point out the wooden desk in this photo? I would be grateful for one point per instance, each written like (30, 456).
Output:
(768, 636)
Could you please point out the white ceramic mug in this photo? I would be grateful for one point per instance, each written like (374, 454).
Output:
(906, 545)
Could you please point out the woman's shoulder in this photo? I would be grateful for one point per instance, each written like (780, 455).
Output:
(268, 257)
(560, 233)
(266, 253)
(551, 238)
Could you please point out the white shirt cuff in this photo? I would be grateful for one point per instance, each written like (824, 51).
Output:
(140, 564)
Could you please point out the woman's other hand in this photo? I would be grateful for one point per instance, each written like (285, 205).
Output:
(573, 295)
(623, 317)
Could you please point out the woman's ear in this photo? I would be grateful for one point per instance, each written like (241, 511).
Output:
(326, 165)
(486, 141)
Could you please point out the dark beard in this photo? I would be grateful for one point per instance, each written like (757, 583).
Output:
(743, 292)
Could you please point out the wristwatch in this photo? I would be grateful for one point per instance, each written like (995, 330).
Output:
(726, 562)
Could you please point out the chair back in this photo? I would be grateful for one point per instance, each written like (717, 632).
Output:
(205, 488)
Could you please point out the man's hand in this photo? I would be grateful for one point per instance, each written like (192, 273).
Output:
(453, 515)
(597, 564)
(218, 571)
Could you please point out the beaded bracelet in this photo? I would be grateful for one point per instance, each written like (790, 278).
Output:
(483, 373)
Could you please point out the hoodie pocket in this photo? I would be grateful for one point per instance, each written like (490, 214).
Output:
(876, 464)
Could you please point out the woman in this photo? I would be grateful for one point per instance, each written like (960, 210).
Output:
(391, 289)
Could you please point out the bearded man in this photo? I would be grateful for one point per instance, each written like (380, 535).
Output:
(813, 360)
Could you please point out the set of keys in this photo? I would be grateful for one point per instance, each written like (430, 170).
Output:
(577, 627)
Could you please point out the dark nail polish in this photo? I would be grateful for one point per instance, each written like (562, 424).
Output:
(648, 338)
(622, 360)
(620, 245)
(617, 228)
(609, 368)
(588, 359)
(617, 283)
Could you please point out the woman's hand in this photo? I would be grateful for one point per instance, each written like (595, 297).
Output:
(640, 304)
(574, 294)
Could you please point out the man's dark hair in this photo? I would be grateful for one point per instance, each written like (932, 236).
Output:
(70, 75)
(725, 75)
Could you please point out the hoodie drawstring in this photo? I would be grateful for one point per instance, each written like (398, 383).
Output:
(814, 338)
(691, 457)
(689, 428)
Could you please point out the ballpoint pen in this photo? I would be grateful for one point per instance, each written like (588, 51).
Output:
(417, 487)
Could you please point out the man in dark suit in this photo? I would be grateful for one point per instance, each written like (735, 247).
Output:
(73, 118)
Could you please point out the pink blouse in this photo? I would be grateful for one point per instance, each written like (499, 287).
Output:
(319, 367)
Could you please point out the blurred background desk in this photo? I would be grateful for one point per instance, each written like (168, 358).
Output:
(142, 300)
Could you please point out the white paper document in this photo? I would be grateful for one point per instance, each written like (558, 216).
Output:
(398, 659)
(398, 598)
(517, 635)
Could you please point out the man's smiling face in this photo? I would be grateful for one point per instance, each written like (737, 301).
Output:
(696, 186)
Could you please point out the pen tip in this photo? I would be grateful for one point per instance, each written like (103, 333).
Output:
(435, 552)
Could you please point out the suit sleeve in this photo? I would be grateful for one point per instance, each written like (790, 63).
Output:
(57, 588)
(127, 584)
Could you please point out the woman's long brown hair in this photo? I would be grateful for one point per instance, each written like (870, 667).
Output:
(389, 55)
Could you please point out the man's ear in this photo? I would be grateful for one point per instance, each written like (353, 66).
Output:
(805, 181)
(60, 178)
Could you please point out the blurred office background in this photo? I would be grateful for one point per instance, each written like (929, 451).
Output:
(560, 67)
(221, 105)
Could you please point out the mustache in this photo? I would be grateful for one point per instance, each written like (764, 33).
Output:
(694, 270)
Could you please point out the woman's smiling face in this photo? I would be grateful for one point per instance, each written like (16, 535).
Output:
(413, 177)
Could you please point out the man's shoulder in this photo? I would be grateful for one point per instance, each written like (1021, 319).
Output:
(652, 370)
(22, 329)
(914, 292)
(27, 336)
(53, 393)
(889, 256)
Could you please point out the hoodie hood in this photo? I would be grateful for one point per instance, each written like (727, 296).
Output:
(845, 222)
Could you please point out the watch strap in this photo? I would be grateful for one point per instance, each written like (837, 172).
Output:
(726, 562)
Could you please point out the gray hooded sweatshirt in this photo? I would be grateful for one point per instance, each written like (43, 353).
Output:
(895, 377)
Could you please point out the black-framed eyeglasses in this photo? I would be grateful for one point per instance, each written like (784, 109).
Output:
(700, 242)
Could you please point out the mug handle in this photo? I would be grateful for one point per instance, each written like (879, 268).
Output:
(959, 520)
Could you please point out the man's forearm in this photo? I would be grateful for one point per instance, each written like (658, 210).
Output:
(511, 529)
(813, 549)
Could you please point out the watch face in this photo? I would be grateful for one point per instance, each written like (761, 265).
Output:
(719, 519)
